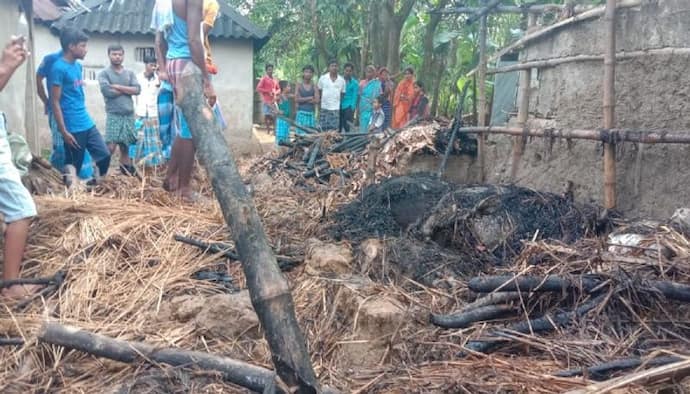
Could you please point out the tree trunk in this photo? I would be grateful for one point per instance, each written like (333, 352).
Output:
(481, 121)
(397, 22)
(269, 290)
(379, 31)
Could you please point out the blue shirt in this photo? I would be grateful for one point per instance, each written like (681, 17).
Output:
(44, 70)
(351, 92)
(69, 77)
(177, 39)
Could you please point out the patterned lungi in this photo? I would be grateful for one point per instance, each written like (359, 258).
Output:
(119, 129)
(330, 120)
(148, 145)
(306, 119)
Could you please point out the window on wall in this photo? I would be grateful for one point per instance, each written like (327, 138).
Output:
(90, 73)
(141, 53)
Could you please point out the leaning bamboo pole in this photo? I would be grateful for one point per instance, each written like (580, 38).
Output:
(481, 121)
(268, 288)
(528, 38)
(602, 135)
(554, 62)
(609, 105)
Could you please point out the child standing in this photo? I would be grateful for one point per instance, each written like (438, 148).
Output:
(282, 126)
(378, 117)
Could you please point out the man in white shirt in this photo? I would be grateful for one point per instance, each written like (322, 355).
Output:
(146, 109)
(332, 87)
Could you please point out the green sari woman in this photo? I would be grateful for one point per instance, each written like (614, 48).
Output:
(371, 89)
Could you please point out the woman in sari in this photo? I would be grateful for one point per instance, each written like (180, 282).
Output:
(370, 91)
(402, 100)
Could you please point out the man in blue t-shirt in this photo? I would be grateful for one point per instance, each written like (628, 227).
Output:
(69, 108)
(57, 156)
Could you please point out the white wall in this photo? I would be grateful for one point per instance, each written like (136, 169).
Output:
(233, 84)
(13, 95)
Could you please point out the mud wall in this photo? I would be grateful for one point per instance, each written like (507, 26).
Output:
(652, 92)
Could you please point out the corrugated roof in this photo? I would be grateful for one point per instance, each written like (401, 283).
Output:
(134, 17)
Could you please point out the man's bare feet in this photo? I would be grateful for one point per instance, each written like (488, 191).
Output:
(18, 292)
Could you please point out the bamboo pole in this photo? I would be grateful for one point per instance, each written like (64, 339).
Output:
(603, 135)
(554, 62)
(609, 104)
(515, 9)
(30, 100)
(268, 288)
(528, 38)
(523, 110)
(481, 121)
(482, 11)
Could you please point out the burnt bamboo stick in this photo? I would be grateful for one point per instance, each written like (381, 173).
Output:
(609, 105)
(604, 370)
(493, 298)
(602, 135)
(554, 62)
(550, 283)
(31, 281)
(294, 124)
(543, 324)
(284, 262)
(671, 372)
(314, 153)
(268, 288)
(466, 318)
(481, 121)
(11, 342)
(238, 372)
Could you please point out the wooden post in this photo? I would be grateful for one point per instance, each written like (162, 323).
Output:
(523, 108)
(269, 290)
(610, 104)
(31, 100)
(481, 122)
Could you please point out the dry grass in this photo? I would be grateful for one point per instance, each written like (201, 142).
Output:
(124, 268)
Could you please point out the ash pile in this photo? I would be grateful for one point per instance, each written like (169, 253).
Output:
(460, 228)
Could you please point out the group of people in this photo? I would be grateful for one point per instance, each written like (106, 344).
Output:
(375, 102)
(133, 102)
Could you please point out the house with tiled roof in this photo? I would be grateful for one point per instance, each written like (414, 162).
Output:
(234, 39)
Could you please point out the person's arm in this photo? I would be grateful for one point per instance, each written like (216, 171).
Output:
(55, 95)
(317, 96)
(161, 49)
(41, 90)
(13, 56)
(196, 46)
(107, 90)
(262, 87)
(132, 89)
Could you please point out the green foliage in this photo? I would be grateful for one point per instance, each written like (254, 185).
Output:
(342, 30)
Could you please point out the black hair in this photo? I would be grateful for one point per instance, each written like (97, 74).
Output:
(352, 66)
(308, 67)
(380, 98)
(409, 70)
(268, 65)
(420, 84)
(149, 59)
(333, 61)
(115, 47)
(71, 36)
(283, 84)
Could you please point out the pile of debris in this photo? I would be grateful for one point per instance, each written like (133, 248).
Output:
(352, 160)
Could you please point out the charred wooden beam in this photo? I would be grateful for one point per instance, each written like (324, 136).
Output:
(238, 372)
(551, 283)
(268, 288)
(465, 319)
(603, 371)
